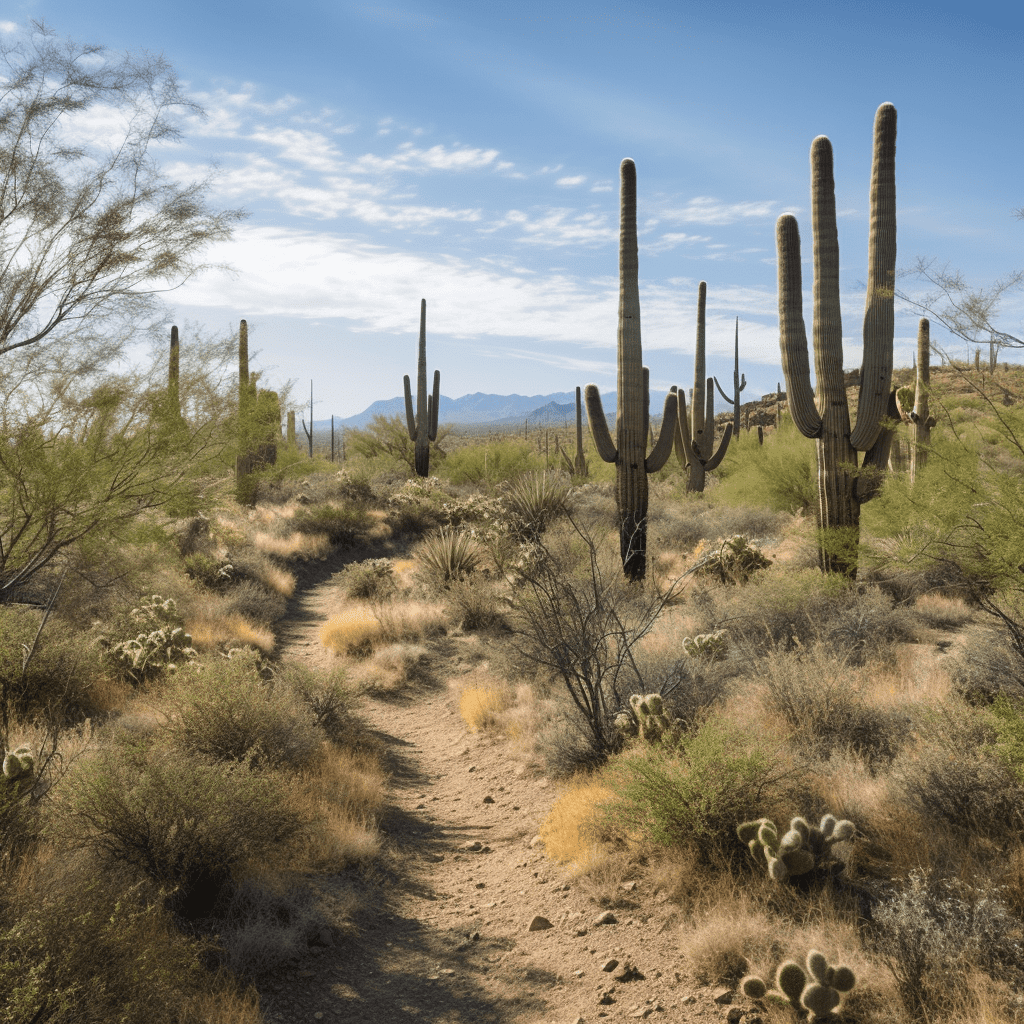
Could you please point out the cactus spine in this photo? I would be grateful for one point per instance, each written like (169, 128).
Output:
(629, 450)
(918, 417)
(695, 441)
(825, 416)
(422, 425)
(739, 382)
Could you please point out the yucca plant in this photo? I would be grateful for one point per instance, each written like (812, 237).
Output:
(449, 555)
(534, 499)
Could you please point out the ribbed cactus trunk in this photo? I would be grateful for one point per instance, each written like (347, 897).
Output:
(423, 424)
(695, 440)
(581, 459)
(920, 418)
(291, 430)
(629, 450)
(243, 460)
(173, 395)
(825, 415)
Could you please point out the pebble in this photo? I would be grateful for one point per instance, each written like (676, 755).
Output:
(539, 924)
(488, 799)
(606, 918)
(723, 995)
(609, 965)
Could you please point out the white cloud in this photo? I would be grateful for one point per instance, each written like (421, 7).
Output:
(707, 210)
(577, 179)
(311, 149)
(671, 239)
(603, 186)
(437, 158)
(8, 26)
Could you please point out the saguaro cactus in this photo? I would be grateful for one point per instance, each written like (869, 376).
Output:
(918, 417)
(422, 425)
(173, 397)
(632, 419)
(243, 460)
(739, 382)
(825, 415)
(580, 464)
(695, 441)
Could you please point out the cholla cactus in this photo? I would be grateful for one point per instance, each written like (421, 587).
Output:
(712, 646)
(803, 848)
(649, 719)
(821, 996)
(164, 645)
(18, 771)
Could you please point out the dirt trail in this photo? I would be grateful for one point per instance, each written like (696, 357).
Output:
(443, 932)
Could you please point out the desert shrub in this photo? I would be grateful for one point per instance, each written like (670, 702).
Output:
(693, 794)
(58, 682)
(492, 463)
(262, 928)
(941, 612)
(182, 821)
(573, 829)
(327, 695)
(261, 568)
(1008, 721)
(931, 932)
(93, 952)
(953, 778)
(212, 573)
(160, 644)
(984, 665)
(372, 580)
(732, 560)
(682, 524)
(399, 666)
(448, 555)
(223, 710)
(346, 526)
(255, 602)
(480, 706)
(353, 631)
(867, 628)
(819, 695)
(475, 604)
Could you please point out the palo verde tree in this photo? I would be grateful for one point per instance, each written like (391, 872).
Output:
(632, 419)
(90, 233)
(824, 414)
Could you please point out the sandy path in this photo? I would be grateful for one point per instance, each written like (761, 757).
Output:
(442, 933)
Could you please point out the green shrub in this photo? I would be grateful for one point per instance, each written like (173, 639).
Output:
(325, 693)
(1008, 718)
(491, 463)
(210, 572)
(346, 526)
(372, 580)
(182, 821)
(222, 710)
(692, 794)
(95, 952)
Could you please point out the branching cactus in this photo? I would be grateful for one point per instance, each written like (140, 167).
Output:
(913, 402)
(819, 990)
(709, 646)
(803, 848)
(580, 467)
(739, 382)
(824, 414)
(632, 419)
(695, 440)
(422, 424)
(648, 719)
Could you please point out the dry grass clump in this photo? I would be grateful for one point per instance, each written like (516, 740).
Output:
(396, 668)
(942, 612)
(213, 629)
(983, 665)
(261, 567)
(354, 631)
(572, 831)
(481, 707)
(410, 621)
(295, 545)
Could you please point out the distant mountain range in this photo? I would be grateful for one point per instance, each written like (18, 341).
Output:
(479, 409)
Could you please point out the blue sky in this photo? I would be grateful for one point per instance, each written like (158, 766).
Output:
(468, 154)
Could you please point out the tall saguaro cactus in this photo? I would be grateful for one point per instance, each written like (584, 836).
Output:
(632, 419)
(173, 396)
(739, 382)
(243, 460)
(695, 441)
(825, 415)
(422, 425)
(918, 417)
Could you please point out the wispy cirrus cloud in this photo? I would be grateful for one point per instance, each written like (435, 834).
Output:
(437, 158)
(576, 179)
(708, 210)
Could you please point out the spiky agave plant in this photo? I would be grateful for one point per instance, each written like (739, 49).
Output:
(632, 419)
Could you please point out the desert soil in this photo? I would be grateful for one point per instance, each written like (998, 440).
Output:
(441, 931)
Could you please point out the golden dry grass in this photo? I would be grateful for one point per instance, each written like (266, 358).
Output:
(212, 630)
(410, 621)
(481, 706)
(342, 794)
(570, 831)
(942, 612)
(295, 545)
(354, 632)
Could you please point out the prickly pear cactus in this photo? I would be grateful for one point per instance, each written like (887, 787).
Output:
(803, 848)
